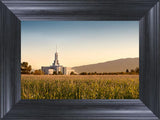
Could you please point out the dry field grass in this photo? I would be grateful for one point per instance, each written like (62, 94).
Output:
(80, 87)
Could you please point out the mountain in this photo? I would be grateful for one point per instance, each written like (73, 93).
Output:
(119, 65)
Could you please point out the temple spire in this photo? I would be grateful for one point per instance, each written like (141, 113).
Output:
(56, 62)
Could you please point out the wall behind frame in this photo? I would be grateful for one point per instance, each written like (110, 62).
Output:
(10, 46)
(150, 59)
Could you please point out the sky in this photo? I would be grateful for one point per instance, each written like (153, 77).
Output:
(78, 42)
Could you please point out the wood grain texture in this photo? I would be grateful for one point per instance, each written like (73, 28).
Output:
(9, 60)
(79, 9)
(80, 110)
(150, 59)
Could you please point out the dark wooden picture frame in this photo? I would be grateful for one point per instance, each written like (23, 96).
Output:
(12, 12)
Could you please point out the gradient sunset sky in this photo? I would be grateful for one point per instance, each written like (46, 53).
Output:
(78, 42)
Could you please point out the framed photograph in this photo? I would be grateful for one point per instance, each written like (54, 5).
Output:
(79, 59)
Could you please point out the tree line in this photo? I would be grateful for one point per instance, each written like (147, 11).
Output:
(27, 69)
(127, 72)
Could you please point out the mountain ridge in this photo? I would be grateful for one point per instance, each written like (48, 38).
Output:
(118, 65)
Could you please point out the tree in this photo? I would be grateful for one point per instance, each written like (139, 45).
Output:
(25, 68)
(137, 70)
(60, 73)
(72, 73)
(132, 70)
(55, 73)
(127, 71)
(83, 73)
(95, 73)
(38, 72)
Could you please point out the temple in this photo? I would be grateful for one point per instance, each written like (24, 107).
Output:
(56, 68)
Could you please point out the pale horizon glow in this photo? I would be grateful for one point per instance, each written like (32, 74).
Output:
(78, 42)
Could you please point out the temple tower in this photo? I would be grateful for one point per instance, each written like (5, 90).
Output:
(56, 62)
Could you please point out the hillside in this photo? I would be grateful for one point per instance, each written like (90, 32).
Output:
(119, 65)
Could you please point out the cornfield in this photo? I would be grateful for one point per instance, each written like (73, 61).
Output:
(80, 87)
